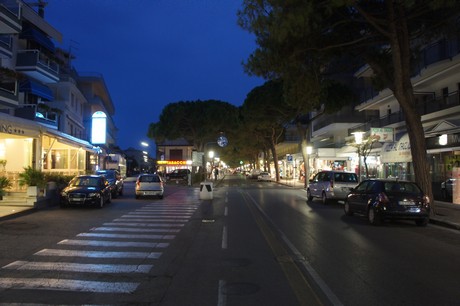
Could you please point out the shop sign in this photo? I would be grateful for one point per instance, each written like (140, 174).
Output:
(172, 162)
(397, 152)
(8, 128)
(383, 134)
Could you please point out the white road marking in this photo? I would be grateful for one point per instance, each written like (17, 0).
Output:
(126, 236)
(97, 254)
(121, 244)
(221, 295)
(224, 238)
(77, 267)
(138, 230)
(178, 220)
(118, 223)
(67, 285)
(180, 216)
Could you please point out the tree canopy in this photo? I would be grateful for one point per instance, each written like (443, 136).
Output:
(301, 41)
(199, 122)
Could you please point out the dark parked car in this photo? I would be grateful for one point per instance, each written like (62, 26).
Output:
(381, 199)
(115, 181)
(84, 190)
(178, 174)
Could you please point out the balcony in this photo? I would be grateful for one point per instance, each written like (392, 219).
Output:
(6, 45)
(37, 65)
(39, 113)
(428, 104)
(8, 92)
(10, 17)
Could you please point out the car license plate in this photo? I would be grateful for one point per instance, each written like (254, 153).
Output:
(406, 203)
(77, 199)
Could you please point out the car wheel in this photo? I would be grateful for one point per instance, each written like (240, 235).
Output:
(137, 197)
(346, 208)
(63, 205)
(373, 217)
(422, 222)
(324, 198)
(160, 197)
(309, 196)
(114, 194)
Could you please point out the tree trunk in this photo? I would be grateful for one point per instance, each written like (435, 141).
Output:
(303, 131)
(403, 91)
(275, 159)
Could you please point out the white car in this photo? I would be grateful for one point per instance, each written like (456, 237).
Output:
(149, 185)
(264, 176)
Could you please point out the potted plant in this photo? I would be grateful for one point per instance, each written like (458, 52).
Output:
(5, 183)
(3, 163)
(34, 179)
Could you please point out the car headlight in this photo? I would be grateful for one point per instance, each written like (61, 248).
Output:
(63, 194)
(93, 195)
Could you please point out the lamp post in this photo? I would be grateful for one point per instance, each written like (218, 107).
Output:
(359, 141)
(211, 159)
(145, 155)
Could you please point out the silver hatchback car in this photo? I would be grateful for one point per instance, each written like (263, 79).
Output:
(331, 185)
(149, 185)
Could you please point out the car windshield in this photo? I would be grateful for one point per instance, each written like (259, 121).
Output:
(405, 187)
(346, 177)
(84, 181)
(149, 179)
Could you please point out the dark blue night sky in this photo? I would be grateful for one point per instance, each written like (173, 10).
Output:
(155, 52)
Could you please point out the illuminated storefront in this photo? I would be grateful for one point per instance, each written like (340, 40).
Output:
(25, 143)
(166, 166)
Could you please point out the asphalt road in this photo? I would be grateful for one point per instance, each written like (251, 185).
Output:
(255, 243)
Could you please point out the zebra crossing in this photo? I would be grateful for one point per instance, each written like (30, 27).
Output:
(99, 260)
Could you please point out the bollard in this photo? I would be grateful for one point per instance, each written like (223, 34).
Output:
(206, 191)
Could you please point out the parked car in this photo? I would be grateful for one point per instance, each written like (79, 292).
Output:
(115, 181)
(264, 176)
(254, 174)
(331, 185)
(178, 174)
(84, 190)
(447, 188)
(149, 185)
(381, 199)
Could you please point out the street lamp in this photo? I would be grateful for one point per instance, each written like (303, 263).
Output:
(359, 140)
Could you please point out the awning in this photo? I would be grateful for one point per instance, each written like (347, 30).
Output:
(39, 37)
(36, 89)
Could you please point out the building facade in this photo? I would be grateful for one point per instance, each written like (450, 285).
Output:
(46, 107)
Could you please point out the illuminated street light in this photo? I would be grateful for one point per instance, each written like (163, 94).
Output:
(143, 143)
